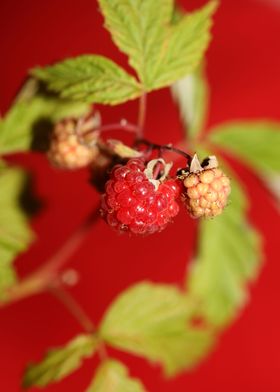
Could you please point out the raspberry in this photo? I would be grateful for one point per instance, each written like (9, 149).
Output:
(206, 189)
(66, 151)
(133, 204)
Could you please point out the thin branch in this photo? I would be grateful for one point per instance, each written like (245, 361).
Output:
(40, 280)
(142, 115)
(167, 147)
(72, 306)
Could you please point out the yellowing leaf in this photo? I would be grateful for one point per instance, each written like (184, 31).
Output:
(59, 363)
(153, 321)
(112, 376)
(91, 79)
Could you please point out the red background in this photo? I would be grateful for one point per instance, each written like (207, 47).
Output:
(243, 69)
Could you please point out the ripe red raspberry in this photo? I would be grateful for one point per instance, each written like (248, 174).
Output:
(132, 203)
(66, 151)
(205, 190)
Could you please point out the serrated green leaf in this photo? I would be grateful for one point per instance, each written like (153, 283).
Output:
(228, 259)
(257, 143)
(60, 362)
(17, 128)
(191, 95)
(185, 46)
(90, 78)
(153, 321)
(112, 376)
(139, 28)
(15, 235)
(160, 50)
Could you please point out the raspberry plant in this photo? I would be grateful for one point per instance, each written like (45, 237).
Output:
(142, 186)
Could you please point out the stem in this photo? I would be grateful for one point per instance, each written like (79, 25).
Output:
(142, 114)
(40, 280)
(123, 125)
(72, 306)
(167, 147)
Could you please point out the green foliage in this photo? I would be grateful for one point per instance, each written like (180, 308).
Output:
(15, 235)
(17, 128)
(61, 362)
(191, 94)
(257, 143)
(228, 258)
(185, 46)
(91, 79)
(153, 321)
(112, 376)
(159, 49)
(139, 29)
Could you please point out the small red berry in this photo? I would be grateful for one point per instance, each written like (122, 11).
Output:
(133, 204)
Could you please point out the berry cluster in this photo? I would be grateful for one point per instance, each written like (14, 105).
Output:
(139, 196)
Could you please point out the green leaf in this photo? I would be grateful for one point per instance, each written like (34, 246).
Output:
(228, 259)
(184, 48)
(90, 78)
(18, 127)
(15, 235)
(257, 143)
(153, 321)
(160, 50)
(139, 29)
(191, 95)
(60, 362)
(112, 376)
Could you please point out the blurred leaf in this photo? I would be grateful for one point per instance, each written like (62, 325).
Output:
(112, 376)
(17, 128)
(138, 28)
(153, 321)
(60, 362)
(184, 48)
(191, 95)
(90, 78)
(257, 143)
(228, 259)
(15, 235)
